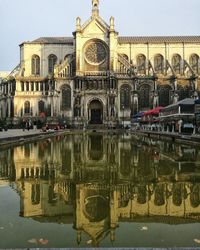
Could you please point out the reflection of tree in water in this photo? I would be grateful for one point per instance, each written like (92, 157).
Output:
(195, 195)
(159, 194)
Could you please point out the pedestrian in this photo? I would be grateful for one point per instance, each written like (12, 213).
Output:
(27, 125)
(23, 124)
(34, 124)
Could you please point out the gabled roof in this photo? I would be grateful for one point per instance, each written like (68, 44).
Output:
(159, 39)
(99, 19)
(52, 40)
(121, 39)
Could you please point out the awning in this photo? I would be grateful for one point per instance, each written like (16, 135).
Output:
(155, 111)
(188, 125)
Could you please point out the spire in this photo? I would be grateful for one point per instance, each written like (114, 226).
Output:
(112, 23)
(78, 24)
(95, 8)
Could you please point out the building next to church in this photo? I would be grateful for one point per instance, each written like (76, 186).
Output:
(99, 77)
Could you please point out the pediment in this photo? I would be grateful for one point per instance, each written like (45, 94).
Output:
(95, 26)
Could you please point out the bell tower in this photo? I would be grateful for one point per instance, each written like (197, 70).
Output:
(95, 8)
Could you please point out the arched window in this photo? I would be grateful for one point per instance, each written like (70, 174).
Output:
(22, 86)
(164, 94)
(195, 195)
(66, 97)
(183, 92)
(125, 57)
(125, 96)
(27, 86)
(159, 195)
(177, 194)
(27, 107)
(141, 64)
(176, 63)
(159, 64)
(35, 65)
(35, 194)
(41, 107)
(52, 59)
(144, 96)
(194, 61)
(67, 56)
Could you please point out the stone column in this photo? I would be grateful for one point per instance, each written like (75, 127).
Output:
(155, 100)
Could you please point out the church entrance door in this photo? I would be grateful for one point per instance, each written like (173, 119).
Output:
(95, 112)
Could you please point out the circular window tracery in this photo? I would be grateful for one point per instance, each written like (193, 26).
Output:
(95, 53)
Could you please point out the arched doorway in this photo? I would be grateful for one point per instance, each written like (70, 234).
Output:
(95, 112)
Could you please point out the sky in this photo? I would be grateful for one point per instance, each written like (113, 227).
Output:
(26, 20)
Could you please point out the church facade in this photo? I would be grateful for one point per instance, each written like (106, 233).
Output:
(99, 77)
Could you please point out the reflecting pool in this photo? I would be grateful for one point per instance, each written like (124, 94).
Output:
(103, 190)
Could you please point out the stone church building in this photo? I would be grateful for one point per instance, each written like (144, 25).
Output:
(99, 77)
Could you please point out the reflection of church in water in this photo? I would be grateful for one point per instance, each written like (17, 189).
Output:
(96, 182)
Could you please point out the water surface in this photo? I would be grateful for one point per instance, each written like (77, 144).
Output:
(92, 190)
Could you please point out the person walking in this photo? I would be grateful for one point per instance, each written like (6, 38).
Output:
(35, 125)
(23, 125)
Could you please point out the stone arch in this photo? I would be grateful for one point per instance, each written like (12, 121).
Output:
(176, 63)
(195, 195)
(65, 97)
(41, 106)
(125, 96)
(145, 97)
(35, 194)
(67, 56)
(27, 108)
(142, 194)
(159, 195)
(159, 64)
(194, 63)
(52, 59)
(125, 56)
(164, 94)
(35, 65)
(95, 110)
(141, 64)
(177, 194)
(183, 91)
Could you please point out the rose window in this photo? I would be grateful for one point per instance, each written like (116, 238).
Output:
(95, 53)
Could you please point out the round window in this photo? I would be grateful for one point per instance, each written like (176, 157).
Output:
(95, 53)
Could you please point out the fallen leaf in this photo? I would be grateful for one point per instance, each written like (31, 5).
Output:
(43, 241)
(197, 241)
(32, 241)
(144, 229)
(89, 241)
